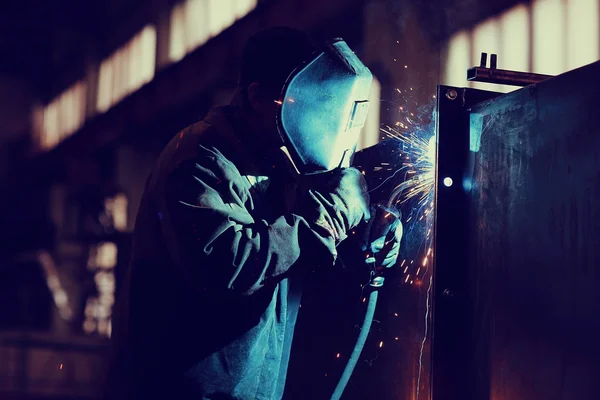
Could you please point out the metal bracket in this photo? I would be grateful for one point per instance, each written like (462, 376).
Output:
(501, 76)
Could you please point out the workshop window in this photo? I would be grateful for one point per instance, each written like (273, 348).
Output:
(194, 22)
(583, 35)
(60, 118)
(98, 309)
(116, 211)
(54, 283)
(548, 37)
(564, 35)
(127, 69)
(189, 28)
(516, 46)
(221, 15)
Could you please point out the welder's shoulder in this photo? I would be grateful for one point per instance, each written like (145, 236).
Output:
(192, 145)
(196, 150)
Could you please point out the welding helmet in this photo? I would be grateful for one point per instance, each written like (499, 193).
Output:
(323, 106)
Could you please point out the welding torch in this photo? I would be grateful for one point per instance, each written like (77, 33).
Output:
(380, 244)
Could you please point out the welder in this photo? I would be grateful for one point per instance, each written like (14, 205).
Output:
(231, 225)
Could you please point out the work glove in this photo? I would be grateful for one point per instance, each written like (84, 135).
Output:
(337, 201)
(382, 235)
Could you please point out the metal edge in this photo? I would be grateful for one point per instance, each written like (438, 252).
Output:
(452, 325)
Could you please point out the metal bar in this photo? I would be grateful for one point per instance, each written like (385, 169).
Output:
(504, 77)
(483, 60)
(494, 62)
(452, 325)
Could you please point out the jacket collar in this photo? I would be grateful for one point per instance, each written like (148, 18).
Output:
(237, 144)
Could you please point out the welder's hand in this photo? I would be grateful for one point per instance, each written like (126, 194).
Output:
(382, 235)
(339, 200)
(348, 189)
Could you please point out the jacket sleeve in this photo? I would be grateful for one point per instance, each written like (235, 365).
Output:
(215, 236)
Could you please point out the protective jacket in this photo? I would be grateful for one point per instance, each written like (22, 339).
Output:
(221, 247)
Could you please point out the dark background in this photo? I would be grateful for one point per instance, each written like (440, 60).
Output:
(55, 218)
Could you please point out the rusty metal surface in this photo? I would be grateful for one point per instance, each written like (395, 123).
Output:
(535, 269)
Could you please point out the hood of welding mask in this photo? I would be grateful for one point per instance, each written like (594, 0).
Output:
(324, 105)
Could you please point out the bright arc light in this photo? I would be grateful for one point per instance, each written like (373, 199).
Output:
(448, 182)
(419, 165)
(414, 193)
(431, 149)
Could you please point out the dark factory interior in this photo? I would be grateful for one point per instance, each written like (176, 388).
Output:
(482, 140)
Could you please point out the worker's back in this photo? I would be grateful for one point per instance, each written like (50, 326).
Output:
(177, 331)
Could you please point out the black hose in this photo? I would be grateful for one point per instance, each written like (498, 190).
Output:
(360, 343)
